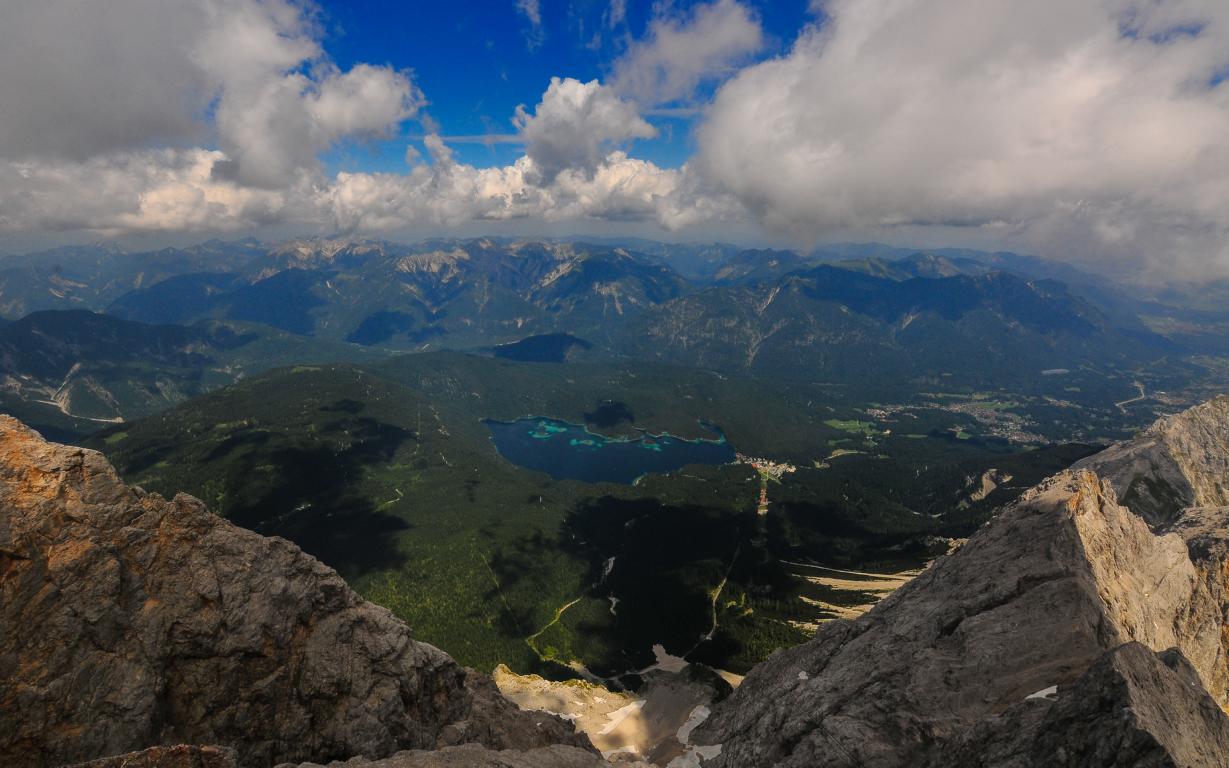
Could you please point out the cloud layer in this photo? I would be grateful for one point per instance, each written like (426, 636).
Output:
(256, 84)
(84, 79)
(575, 125)
(679, 53)
(1091, 130)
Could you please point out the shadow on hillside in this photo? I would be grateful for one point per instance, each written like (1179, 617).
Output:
(313, 494)
(610, 413)
(668, 559)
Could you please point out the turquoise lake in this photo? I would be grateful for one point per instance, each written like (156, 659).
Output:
(570, 452)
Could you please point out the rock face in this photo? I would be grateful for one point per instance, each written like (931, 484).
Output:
(1066, 591)
(651, 725)
(464, 756)
(1132, 708)
(1181, 461)
(128, 621)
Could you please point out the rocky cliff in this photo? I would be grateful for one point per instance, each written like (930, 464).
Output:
(1179, 462)
(127, 620)
(1068, 631)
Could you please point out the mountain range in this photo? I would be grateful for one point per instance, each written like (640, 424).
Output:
(870, 317)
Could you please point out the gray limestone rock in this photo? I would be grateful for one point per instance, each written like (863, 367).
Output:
(1180, 461)
(1132, 708)
(1031, 602)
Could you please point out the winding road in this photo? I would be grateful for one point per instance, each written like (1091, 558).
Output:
(1122, 406)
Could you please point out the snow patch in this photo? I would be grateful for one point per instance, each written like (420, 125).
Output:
(667, 661)
(697, 716)
(619, 715)
(1045, 693)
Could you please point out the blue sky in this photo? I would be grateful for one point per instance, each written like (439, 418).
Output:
(475, 63)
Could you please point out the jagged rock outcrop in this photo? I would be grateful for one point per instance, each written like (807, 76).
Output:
(127, 620)
(1047, 595)
(1132, 708)
(1181, 461)
(649, 726)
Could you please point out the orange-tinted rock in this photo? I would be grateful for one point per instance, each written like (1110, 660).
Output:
(127, 620)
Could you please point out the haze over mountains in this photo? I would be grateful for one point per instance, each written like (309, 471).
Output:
(993, 318)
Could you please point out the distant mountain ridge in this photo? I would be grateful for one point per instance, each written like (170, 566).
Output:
(840, 324)
(380, 293)
(69, 369)
(466, 293)
(90, 277)
(842, 315)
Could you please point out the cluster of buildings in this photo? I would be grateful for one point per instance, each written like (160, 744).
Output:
(767, 467)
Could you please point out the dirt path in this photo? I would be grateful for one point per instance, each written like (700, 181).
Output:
(532, 640)
(1122, 406)
(712, 630)
(64, 410)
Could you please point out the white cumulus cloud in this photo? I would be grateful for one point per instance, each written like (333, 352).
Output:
(1091, 130)
(448, 193)
(1086, 128)
(679, 52)
(575, 124)
(149, 190)
(223, 111)
(83, 79)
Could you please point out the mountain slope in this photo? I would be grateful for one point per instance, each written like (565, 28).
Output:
(1034, 600)
(843, 325)
(1179, 462)
(95, 367)
(70, 370)
(90, 277)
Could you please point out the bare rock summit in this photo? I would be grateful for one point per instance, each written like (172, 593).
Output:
(1179, 462)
